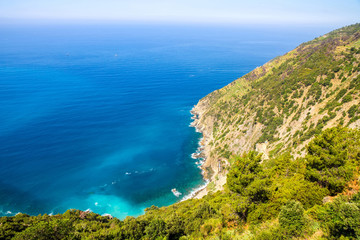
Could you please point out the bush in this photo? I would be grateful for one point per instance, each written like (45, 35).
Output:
(292, 219)
(327, 160)
(56, 229)
(347, 98)
(245, 170)
(352, 110)
(340, 94)
(342, 219)
(156, 229)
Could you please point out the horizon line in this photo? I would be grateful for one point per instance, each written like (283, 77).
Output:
(48, 21)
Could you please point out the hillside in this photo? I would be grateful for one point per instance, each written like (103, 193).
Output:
(281, 143)
(315, 197)
(281, 105)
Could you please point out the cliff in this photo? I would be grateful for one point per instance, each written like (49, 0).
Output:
(304, 185)
(281, 105)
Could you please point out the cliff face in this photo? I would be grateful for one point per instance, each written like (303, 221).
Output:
(276, 108)
(284, 103)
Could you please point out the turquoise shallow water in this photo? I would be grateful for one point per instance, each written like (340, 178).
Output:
(97, 117)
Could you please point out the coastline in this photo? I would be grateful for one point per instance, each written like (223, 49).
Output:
(210, 168)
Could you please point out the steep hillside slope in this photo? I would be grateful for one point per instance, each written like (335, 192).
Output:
(281, 105)
(315, 197)
(308, 188)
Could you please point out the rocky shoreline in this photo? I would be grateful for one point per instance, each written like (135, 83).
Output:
(211, 171)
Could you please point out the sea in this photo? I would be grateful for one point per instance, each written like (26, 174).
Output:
(96, 116)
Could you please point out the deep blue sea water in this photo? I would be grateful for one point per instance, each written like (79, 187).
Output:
(97, 116)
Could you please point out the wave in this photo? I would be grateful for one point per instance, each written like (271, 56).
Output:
(195, 155)
(194, 191)
(107, 215)
(198, 155)
(8, 213)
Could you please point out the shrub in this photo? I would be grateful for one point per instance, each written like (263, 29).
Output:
(327, 160)
(347, 98)
(156, 229)
(244, 172)
(291, 218)
(340, 94)
(352, 110)
(56, 229)
(342, 219)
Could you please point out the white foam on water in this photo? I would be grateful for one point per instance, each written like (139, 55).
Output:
(107, 215)
(201, 160)
(195, 191)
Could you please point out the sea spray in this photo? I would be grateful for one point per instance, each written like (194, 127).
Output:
(198, 155)
(193, 192)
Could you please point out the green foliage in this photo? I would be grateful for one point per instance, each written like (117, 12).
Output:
(355, 83)
(271, 196)
(315, 91)
(47, 230)
(9, 226)
(268, 231)
(347, 98)
(257, 193)
(327, 160)
(276, 149)
(270, 129)
(340, 94)
(341, 218)
(292, 219)
(156, 229)
(244, 172)
(352, 110)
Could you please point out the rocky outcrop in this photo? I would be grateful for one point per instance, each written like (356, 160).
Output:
(283, 104)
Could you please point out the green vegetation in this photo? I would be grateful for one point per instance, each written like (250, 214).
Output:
(291, 218)
(309, 186)
(340, 218)
(329, 162)
(317, 80)
(279, 198)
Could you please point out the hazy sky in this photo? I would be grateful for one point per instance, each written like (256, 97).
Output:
(339, 12)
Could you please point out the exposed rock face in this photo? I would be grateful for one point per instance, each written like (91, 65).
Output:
(284, 103)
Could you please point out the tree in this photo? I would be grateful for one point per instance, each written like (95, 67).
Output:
(291, 218)
(244, 171)
(327, 161)
(342, 218)
(48, 230)
(156, 229)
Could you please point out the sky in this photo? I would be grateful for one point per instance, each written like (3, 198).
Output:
(330, 12)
